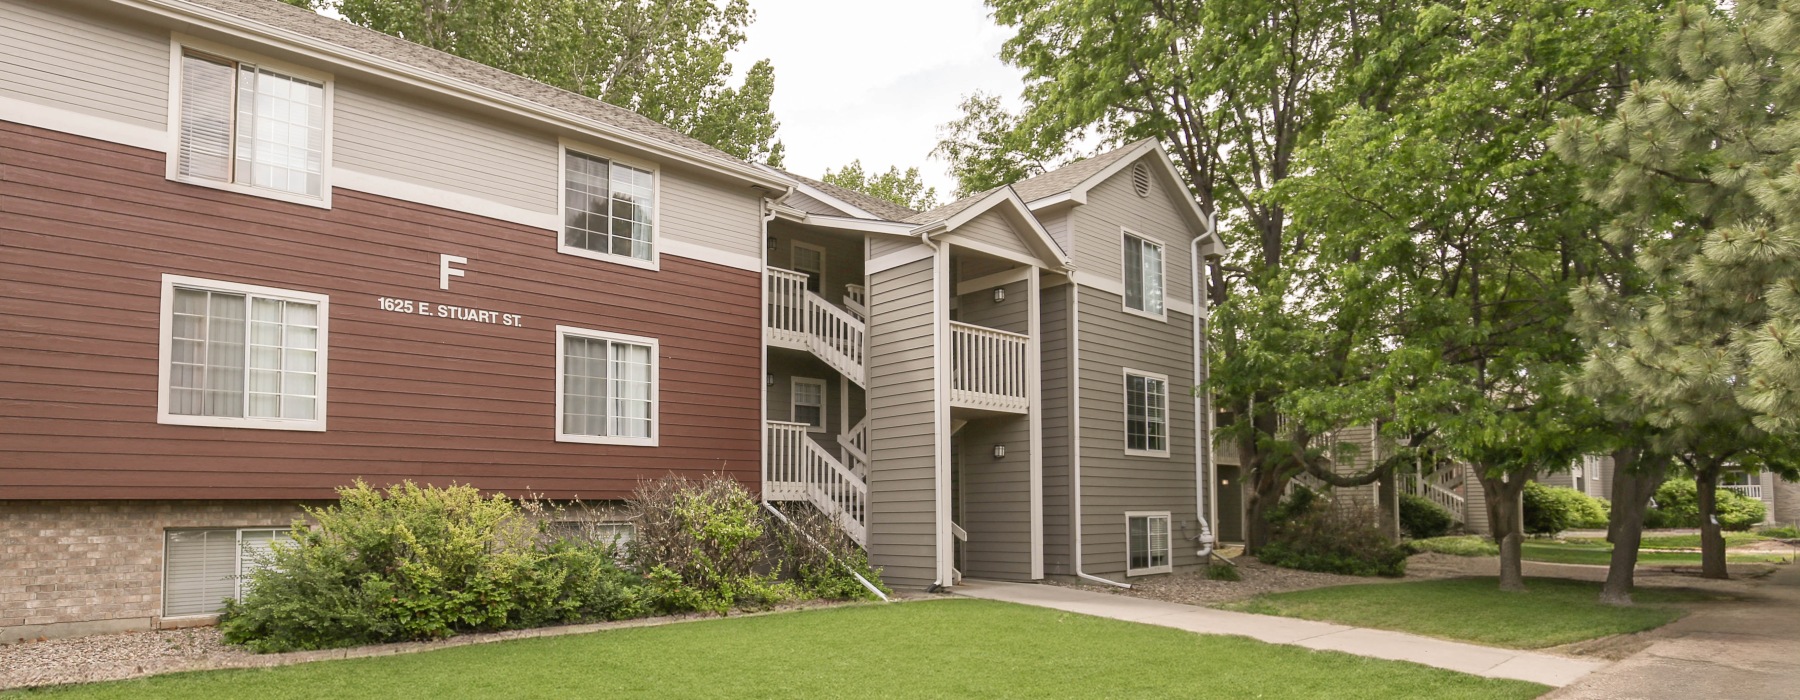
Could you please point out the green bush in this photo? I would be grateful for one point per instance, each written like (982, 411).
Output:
(415, 562)
(1780, 532)
(1461, 546)
(818, 557)
(1223, 572)
(1678, 505)
(1421, 519)
(1553, 509)
(704, 546)
(1318, 537)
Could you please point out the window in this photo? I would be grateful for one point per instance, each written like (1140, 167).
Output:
(608, 210)
(607, 388)
(247, 127)
(1146, 414)
(809, 403)
(203, 568)
(1147, 544)
(810, 259)
(241, 356)
(1143, 276)
(607, 532)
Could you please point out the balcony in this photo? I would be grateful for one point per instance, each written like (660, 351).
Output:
(801, 320)
(988, 369)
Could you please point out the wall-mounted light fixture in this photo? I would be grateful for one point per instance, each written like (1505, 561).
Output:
(999, 294)
(771, 380)
(771, 244)
(999, 452)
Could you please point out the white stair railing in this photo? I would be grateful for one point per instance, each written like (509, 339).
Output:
(987, 368)
(1440, 487)
(856, 299)
(1750, 490)
(800, 318)
(855, 443)
(801, 470)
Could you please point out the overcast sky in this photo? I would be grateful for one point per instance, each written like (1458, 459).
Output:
(873, 80)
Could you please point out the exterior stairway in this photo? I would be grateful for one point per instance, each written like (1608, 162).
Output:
(802, 320)
(1440, 487)
(802, 470)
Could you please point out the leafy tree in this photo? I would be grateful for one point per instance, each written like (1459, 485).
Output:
(987, 148)
(903, 188)
(1699, 166)
(664, 59)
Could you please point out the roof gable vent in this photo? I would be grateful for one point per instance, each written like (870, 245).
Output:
(1140, 179)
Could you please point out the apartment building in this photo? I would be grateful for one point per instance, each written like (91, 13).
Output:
(252, 254)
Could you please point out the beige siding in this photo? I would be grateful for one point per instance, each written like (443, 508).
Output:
(1112, 206)
(706, 212)
(1111, 481)
(803, 202)
(1475, 502)
(59, 57)
(886, 245)
(1058, 439)
(995, 496)
(903, 424)
(993, 229)
(434, 146)
(843, 256)
(1013, 315)
(1057, 224)
(1358, 460)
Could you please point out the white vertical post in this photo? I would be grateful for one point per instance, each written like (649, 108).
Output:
(1034, 379)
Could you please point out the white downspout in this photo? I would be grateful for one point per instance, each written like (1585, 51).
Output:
(1203, 443)
(943, 536)
(1075, 425)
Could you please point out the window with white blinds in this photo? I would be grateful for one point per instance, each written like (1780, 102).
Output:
(608, 209)
(1148, 541)
(1143, 270)
(606, 391)
(809, 402)
(248, 126)
(242, 356)
(203, 568)
(1146, 414)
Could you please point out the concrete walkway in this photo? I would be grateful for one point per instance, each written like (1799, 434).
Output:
(1548, 669)
(1748, 648)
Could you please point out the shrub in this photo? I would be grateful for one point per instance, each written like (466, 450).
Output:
(704, 546)
(818, 557)
(1678, 505)
(1552, 509)
(416, 562)
(1320, 537)
(1461, 546)
(1780, 532)
(1223, 572)
(1422, 519)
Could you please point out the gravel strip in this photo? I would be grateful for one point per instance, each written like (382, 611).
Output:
(105, 657)
(1193, 588)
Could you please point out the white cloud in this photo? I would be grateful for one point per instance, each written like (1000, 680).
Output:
(873, 80)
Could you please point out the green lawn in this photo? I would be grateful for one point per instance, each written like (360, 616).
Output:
(1601, 554)
(947, 648)
(1732, 539)
(1552, 612)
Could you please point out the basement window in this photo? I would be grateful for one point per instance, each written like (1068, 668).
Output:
(1148, 543)
(204, 568)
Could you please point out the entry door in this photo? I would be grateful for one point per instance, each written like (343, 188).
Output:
(1230, 527)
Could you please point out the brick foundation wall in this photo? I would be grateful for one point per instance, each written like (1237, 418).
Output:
(84, 567)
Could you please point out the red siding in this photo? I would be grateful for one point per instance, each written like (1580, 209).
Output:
(89, 228)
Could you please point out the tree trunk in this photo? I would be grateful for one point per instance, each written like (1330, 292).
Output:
(1506, 517)
(1388, 495)
(1264, 493)
(1712, 540)
(1635, 478)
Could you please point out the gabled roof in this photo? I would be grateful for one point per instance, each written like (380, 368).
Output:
(868, 204)
(1031, 231)
(1078, 173)
(284, 21)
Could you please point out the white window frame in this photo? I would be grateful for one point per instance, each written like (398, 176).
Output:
(824, 262)
(1162, 262)
(563, 332)
(238, 585)
(178, 45)
(824, 403)
(1168, 544)
(562, 204)
(165, 352)
(1125, 375)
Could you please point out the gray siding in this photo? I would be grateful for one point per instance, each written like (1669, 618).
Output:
(1474, 503)
(434, 146)
(992, 228)
(1787, 502)
(843, 256)
(1113, 204)
(1013, 315)
(903, 424)
(1057, 224)
(996, 498)
(59, 57)
(803, 202)
(1111, 481)
(1058, 438)
(885, 245)
(784, 366)
(706, 212)
(1360, 459)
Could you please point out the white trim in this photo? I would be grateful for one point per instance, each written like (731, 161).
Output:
(1078, 193)
(324, 50)
(694, 251)
(178, 44)
(349, 179)
(824, 262)
(1102, 283)
(83, 124)
(819, 194)
(897, 258)
(824, 425)
(945, 548)
(165, 352)
(991, 249)
(1162, 275)
(1125, 375)
(564, 145)
(655, 387)
(1034, 369)
(998, 279)
(1050, 253)
(1168, 541)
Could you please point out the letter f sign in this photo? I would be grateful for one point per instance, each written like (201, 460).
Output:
(445, 271)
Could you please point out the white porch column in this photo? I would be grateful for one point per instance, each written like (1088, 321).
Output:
(1034, 391)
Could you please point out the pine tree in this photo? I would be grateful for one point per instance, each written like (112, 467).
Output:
(1701, 343)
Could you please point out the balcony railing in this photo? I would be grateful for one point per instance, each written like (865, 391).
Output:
(1750, 490)
(988, 369)
(802, 320)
